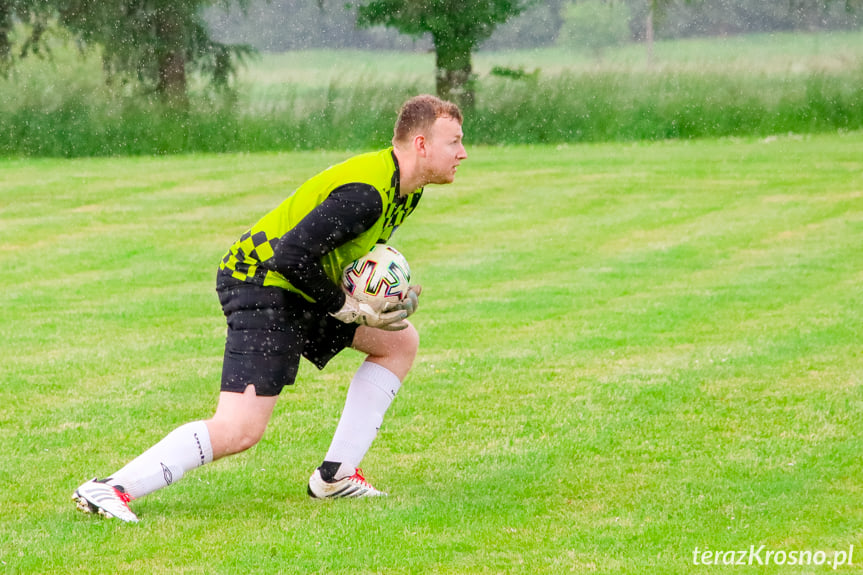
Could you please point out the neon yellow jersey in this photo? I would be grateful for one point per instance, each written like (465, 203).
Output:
(377, 169)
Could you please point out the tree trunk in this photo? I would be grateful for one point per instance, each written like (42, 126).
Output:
(171, 58)
(5, 30)
(453, 71)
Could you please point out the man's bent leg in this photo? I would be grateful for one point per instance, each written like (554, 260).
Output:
(239, 422)
(182, 450)
(372, 390)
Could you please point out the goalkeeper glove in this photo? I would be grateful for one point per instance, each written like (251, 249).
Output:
(411, 301)
(390, 318)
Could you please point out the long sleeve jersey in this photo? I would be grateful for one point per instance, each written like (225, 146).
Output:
(335, 217)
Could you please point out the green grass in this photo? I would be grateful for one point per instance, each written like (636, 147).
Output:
(628, 352)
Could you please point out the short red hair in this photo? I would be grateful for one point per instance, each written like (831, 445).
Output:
(419, 113)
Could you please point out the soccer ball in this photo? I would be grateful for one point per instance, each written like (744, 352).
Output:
(379, 277)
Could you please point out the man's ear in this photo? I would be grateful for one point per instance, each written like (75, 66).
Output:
(420, 145)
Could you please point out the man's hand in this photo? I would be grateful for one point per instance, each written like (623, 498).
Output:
(364, 314)
(390, 318)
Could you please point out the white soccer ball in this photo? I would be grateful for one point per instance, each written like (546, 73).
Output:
(381, 276)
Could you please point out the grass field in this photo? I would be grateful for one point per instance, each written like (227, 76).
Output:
(629, 352)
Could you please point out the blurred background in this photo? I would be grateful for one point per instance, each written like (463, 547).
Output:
(120, 77)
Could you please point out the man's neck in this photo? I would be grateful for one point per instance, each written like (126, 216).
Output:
(409, 180)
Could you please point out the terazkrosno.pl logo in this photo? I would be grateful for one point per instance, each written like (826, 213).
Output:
(760, 555)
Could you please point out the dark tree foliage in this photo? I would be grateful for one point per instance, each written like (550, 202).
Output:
(159, 41)
(457, 27)
(283, 25)
(7, 12)
(31, 12)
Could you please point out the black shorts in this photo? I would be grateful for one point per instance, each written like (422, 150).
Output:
(269, 329)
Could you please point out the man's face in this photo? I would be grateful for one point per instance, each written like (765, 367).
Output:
(444, 151)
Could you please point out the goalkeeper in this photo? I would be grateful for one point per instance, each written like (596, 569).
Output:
(279, 286)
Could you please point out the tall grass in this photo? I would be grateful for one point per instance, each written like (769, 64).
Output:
(604, 106)
(339, 119)
(335, 100)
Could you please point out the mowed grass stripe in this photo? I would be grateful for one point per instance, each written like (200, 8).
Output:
(627, 351)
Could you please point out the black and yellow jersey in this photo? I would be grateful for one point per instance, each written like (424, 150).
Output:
(332, 219)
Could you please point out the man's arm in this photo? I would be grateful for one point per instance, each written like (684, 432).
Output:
(347, 212)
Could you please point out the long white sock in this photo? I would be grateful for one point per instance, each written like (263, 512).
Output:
(182, 450)
(369, 396)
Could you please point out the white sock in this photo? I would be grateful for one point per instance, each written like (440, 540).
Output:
(369, 396)
(182, 450)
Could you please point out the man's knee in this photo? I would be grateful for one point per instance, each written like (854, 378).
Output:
(403, 351)
(402, 354)
(239, 422)
(410, 341)
(233, 436)
(246, 439)
(394, 350)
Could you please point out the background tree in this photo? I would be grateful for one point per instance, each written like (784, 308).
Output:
(456, 27)
(281, 25)
(7, 15)
(160, 41)
(34, 13)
